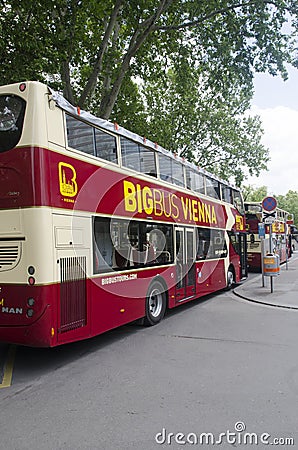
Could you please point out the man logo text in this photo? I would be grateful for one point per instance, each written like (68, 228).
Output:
(7, 310)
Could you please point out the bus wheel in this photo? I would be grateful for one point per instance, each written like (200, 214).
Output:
(230, 278)
(155, 304)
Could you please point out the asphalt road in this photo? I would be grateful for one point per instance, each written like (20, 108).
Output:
(222, 366)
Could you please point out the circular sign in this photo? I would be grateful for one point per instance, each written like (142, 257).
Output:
(269, 204)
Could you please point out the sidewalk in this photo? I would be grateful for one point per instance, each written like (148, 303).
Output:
(285, 287)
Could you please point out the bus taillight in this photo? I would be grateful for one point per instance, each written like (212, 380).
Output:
(31, 281)
(22, 87)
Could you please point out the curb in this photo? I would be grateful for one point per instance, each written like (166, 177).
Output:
(255, 280)
(262, 302)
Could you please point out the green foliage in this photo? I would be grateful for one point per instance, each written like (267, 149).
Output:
(178, 71)
(204, 126)
(289, 202)
(252, 194)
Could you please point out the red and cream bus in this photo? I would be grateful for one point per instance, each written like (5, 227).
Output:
(281, 235)
(100, 227)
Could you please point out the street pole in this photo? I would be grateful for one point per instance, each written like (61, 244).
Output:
(262, 259)
(271, 252)
(269, 214)
(287, 250)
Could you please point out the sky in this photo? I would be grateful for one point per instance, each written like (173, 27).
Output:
(276, 102)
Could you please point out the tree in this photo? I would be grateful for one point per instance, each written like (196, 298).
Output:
(289, 203)
(95, 43)
(99, 52)
(204, 127)
(252, 194)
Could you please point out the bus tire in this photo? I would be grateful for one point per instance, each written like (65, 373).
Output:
(156, 303)
(230, 278)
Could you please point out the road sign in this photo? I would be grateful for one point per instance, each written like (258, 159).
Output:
(261, 230)
(269, 204)
(269, 221)
(269, 217)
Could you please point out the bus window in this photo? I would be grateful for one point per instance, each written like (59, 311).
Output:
(165, 167)
(80, 135)
(106, 147)
(12, 112)
(160, 238)
(189, 177)
(226, 194)
(147, 161)
(203, 243)
(253, 209)
(199, 183)
(212, 244)
(150, 244)
(102, 245)
(115, 244)
(177, 173)
(120, 244)
(130, 154)
(234, 241)
(212, 187)
(219, 246)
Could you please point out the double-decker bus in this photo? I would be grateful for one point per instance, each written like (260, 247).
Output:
(100, 227)
(281, 235)
(293, 236)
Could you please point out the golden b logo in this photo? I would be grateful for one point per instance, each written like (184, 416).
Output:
(67, 180)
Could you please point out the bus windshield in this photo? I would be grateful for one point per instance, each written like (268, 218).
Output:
(12, 111)
(238, 201)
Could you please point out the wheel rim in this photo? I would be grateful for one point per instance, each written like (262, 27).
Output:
(230, 278)
(155, 303)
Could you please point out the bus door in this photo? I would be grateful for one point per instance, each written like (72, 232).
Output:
(185, 266)
(243, 254)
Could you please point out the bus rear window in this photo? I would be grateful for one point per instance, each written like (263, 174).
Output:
(12, 112)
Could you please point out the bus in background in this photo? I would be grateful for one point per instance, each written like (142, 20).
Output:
(294, 236)
(100, 227)
(281, 235)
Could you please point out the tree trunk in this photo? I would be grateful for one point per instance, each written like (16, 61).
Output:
(92, 80)
(109, 98)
